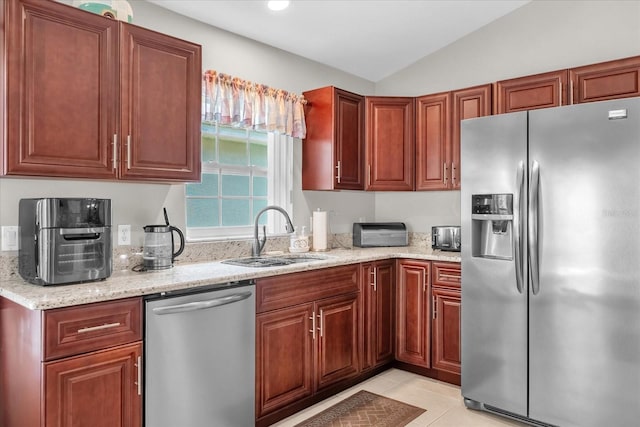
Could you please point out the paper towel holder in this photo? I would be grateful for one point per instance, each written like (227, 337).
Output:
(319, 232)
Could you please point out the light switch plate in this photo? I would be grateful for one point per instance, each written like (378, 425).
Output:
(10, 238)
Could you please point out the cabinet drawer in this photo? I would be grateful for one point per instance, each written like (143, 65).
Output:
(80, 329)
(446, 274)
(297, 288)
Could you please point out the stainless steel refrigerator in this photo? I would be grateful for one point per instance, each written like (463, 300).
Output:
(550, 206)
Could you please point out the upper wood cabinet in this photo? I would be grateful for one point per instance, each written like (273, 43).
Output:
(333, 151)
(438, 119)
(160, 94)
(390, 143)
(90, 97)
(467, 103)
(433, 142)
(606, 80)
(531, 92)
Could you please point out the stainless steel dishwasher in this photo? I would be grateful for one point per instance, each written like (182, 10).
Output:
(200, 357)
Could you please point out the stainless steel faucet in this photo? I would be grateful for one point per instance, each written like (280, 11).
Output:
(259, 244)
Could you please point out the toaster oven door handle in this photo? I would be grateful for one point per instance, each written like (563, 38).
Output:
(88, 230)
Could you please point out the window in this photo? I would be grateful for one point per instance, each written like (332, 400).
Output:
(243, 171)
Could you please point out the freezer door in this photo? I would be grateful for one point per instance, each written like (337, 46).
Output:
(585, 308)
(494, 304)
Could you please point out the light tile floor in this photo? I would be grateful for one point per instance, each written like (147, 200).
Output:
(442, 401)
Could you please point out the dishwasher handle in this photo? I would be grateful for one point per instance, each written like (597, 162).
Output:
(201, 305)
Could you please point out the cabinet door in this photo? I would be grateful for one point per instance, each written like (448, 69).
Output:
(160, 92)
(433, 142)
(337, 336)
(349, 141)
(378, 296)
(532, 92)
(333, 150)
(413, 313)
(60, 91)
(284, 357)
(606, 80)
(390, 143)
(446, 330)
(467, 104)
(99, 389)
(384, 310)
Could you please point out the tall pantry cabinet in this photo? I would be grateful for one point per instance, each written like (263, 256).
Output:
(90, 97)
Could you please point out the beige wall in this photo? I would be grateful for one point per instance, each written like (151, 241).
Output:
(541, 36)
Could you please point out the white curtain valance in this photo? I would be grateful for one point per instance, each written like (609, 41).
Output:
(232, 101)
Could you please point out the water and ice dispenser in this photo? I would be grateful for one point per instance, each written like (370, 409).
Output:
(492, 226)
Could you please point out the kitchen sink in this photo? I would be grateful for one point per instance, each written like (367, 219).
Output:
(274, 261)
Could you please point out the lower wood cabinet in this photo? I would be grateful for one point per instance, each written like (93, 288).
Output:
(73, 366)
(378, 311)
(101, 389)
(307, 335)
(446, 312)
(413, 314)
(284, 362)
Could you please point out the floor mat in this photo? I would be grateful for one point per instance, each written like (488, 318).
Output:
(365, 409)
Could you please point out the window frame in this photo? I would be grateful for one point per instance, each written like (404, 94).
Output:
(279, 174)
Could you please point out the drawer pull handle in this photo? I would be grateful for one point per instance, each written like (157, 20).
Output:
(98, 328)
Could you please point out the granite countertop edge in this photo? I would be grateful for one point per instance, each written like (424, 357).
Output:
(126, 284)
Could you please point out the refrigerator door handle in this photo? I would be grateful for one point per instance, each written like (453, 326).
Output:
(533, 227)
(518, 221)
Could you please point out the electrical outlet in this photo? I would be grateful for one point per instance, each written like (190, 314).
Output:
(10, 238)
(124, 235)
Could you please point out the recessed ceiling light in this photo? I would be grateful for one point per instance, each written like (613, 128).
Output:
(278, 4)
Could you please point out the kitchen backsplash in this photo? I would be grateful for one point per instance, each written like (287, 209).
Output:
(127, 257)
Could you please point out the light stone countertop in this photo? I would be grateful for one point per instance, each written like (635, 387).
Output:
(124, 284)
